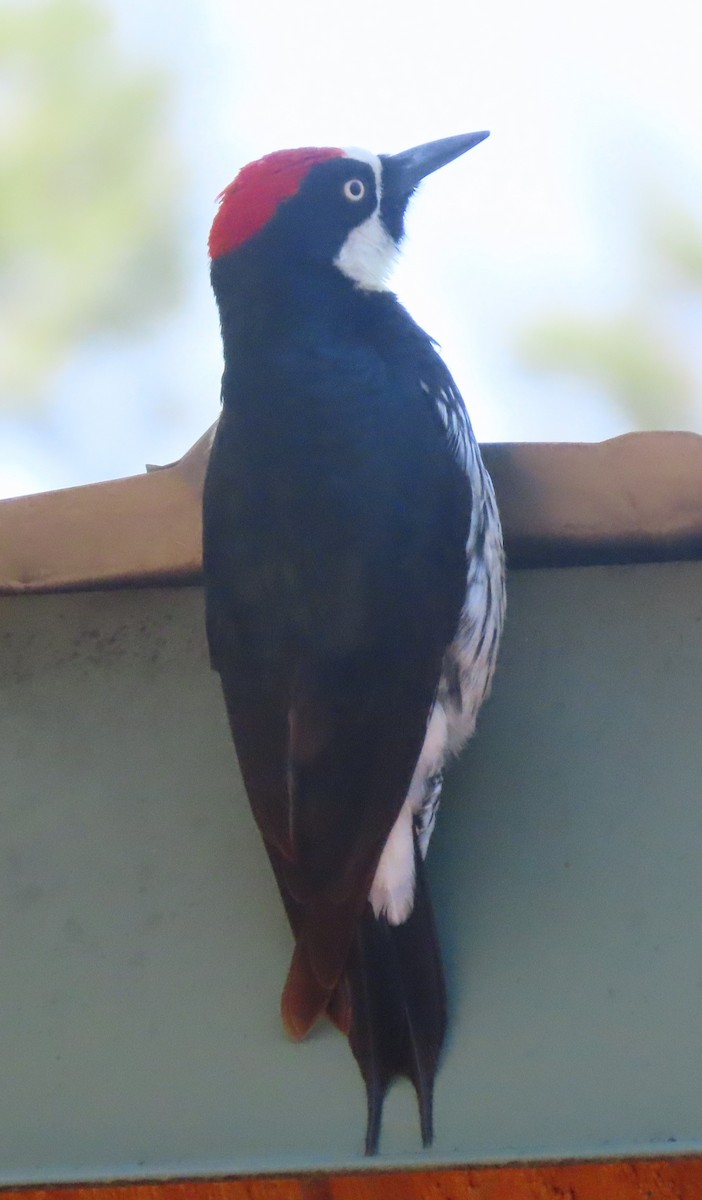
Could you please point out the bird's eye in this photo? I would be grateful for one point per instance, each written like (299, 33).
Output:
(354, 189)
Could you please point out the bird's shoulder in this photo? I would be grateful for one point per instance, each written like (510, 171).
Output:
(427, 370)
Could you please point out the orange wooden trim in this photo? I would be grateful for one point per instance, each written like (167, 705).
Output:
(635, 498)
(639, 1179)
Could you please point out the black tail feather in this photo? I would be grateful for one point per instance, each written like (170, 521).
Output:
(398, 999)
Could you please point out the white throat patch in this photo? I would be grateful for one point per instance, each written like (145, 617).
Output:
(369, 253)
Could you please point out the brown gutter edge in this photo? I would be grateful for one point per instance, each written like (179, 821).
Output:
(636, 498)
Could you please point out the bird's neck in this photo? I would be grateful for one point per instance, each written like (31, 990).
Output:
(267, 305)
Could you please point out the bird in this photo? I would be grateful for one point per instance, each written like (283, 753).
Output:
(354, 586)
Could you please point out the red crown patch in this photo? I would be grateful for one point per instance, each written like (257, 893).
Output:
(250, 200)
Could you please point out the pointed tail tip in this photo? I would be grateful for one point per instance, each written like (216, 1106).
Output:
(399, 1008)
(376, 1098)
(426, 1120)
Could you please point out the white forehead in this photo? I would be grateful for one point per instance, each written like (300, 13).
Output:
(366, 156)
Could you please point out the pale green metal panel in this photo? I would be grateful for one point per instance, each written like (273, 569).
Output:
(143, 945)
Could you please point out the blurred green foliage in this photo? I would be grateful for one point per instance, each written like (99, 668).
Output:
(675, 240)
(638, 355)
(627, 355)
(89, 212)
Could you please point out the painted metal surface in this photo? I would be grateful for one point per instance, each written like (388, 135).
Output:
(143, 946)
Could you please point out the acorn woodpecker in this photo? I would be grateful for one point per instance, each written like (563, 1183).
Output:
(354, 582)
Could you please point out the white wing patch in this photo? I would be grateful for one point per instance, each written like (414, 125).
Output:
(469, 666)
(392, 892)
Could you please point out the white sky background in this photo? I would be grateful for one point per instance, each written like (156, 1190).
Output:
(585, 100)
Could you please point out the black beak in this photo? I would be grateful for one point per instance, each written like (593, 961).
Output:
(403, 172)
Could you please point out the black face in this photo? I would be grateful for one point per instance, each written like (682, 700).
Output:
(335, 197)
(394, 199)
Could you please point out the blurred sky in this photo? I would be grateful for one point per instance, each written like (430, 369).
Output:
(594, 109)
